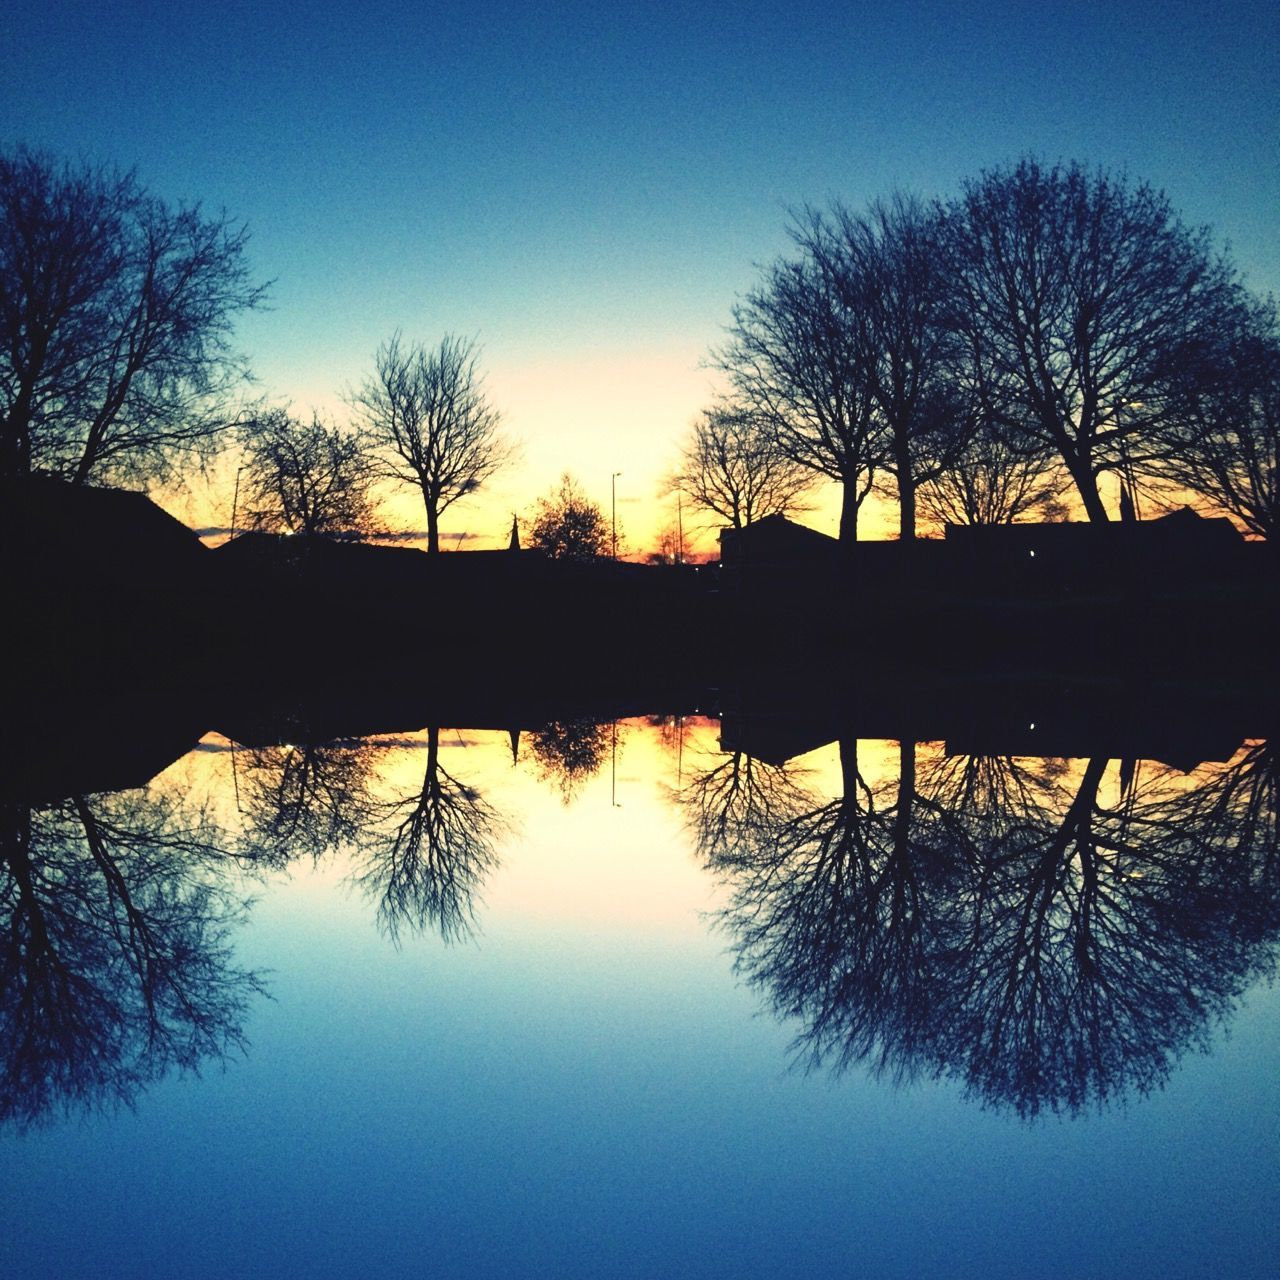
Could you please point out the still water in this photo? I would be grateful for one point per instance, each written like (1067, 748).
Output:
(639, 999)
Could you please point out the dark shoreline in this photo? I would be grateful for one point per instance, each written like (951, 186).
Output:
(129, 631)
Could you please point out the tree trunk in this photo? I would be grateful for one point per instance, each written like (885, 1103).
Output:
(15, 444)
(433, 531)
(906, 797)
(1087, 487)
(849, 767)
(15, 453)
(849, 513)
(906, 501)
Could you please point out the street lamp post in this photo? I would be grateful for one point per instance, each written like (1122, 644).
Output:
(235, 503)
(613, 496)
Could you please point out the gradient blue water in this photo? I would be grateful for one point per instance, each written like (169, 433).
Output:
(572, 1096)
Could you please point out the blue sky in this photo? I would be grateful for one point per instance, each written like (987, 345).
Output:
(587, 189)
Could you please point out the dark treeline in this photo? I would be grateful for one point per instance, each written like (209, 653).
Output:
(996, 356)
(1050, 336)
(113, 592)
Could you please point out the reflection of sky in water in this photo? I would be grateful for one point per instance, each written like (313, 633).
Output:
(585, 1089)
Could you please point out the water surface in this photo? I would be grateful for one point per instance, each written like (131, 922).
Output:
(612, 999)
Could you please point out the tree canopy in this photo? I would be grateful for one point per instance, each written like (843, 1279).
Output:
(792, 359)
(1222, 437)
(889, 269)
(1051, 326)
(116, 316)
(430, 423)
(733, 466)
(306, 478)
(1070, 288)
(567, 525)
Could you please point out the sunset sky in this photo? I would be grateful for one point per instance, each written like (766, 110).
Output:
(586, 190)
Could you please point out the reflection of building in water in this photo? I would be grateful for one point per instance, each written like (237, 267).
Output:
(1044, 718)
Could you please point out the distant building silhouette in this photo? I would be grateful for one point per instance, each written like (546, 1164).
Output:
(1181, 548)
(775, 540)
(789, 563)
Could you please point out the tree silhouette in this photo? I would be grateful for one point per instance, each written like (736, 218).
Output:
(430, 423)
(794, 362)
(995, 477)
(304, 800)
(569, 752)
(116, 316)
(733, 467)
(1109, 938)
(1069, 288)
(1223, 437)
(832, 915)
(567, 525)
(306, 478)
(890, 268)
(735, 807)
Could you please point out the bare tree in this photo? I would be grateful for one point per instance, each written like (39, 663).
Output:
(116, 319)
(733, 466)
(117, 914)
(738, 804)
(307, 478)
(1069, 288)
(305, 799)
(1224, 433)
(430, 422)
(794, 362)
(668, 547)
(421, 855)
(567, 525)
(1020, 927)
(889, 267)
(993, 480)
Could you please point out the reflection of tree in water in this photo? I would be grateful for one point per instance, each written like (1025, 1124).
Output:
(736, 806)
(1110, 934)
(831, 911)
(421, 856)
(116, 911)
(677, 735)
(569, 752)
(1238, 810)
(115, 961)
(304, 800)
(1008, 923)
(426, 853)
